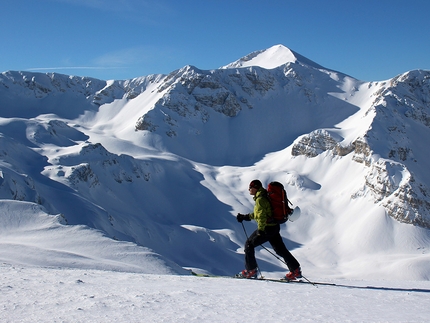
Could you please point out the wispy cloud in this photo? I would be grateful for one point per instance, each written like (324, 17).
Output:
(114, 65)
(128, 56)
(120, 59)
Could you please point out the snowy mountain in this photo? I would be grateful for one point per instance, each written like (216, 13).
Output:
(162, 163)
(272, 57)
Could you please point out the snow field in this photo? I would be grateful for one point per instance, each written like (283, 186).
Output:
(34, 294)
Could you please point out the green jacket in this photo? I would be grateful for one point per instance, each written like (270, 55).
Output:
(262, 210)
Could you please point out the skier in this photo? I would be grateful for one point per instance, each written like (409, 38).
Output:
(266, 231)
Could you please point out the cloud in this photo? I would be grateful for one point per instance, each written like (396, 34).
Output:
(115, 65)
(113, 60)
(130, 56)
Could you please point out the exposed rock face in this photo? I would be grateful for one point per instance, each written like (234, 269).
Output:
(394, 187)
(317, 142)
(390, 177)
(192, 93)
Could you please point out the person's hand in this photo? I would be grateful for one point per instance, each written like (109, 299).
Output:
(240, 217)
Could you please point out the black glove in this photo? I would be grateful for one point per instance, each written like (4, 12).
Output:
(240, 217)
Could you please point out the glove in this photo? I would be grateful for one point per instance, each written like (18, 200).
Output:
(240, 217)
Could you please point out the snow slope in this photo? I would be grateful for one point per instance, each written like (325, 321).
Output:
(31, 237)
(31, 294)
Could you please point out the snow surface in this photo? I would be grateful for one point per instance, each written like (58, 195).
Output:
(30, 294)
(124, 218)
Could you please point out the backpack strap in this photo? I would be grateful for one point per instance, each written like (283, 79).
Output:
(284, 197)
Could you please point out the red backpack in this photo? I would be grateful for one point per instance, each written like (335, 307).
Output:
(278, 200)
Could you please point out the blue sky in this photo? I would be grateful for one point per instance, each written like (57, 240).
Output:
(371, 40)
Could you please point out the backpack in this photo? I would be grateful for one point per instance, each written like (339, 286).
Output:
(277, 197)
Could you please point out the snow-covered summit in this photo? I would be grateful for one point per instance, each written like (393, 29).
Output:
(271, 58)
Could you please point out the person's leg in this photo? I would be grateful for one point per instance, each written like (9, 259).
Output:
(280, 249)
(254, 240)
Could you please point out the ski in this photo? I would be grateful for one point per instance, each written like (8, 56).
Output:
(297, 281)
(284, 281)
(207, 275)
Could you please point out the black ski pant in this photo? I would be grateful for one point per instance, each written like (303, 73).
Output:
(271, 235)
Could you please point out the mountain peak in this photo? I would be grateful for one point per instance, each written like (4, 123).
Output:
(271, 58)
